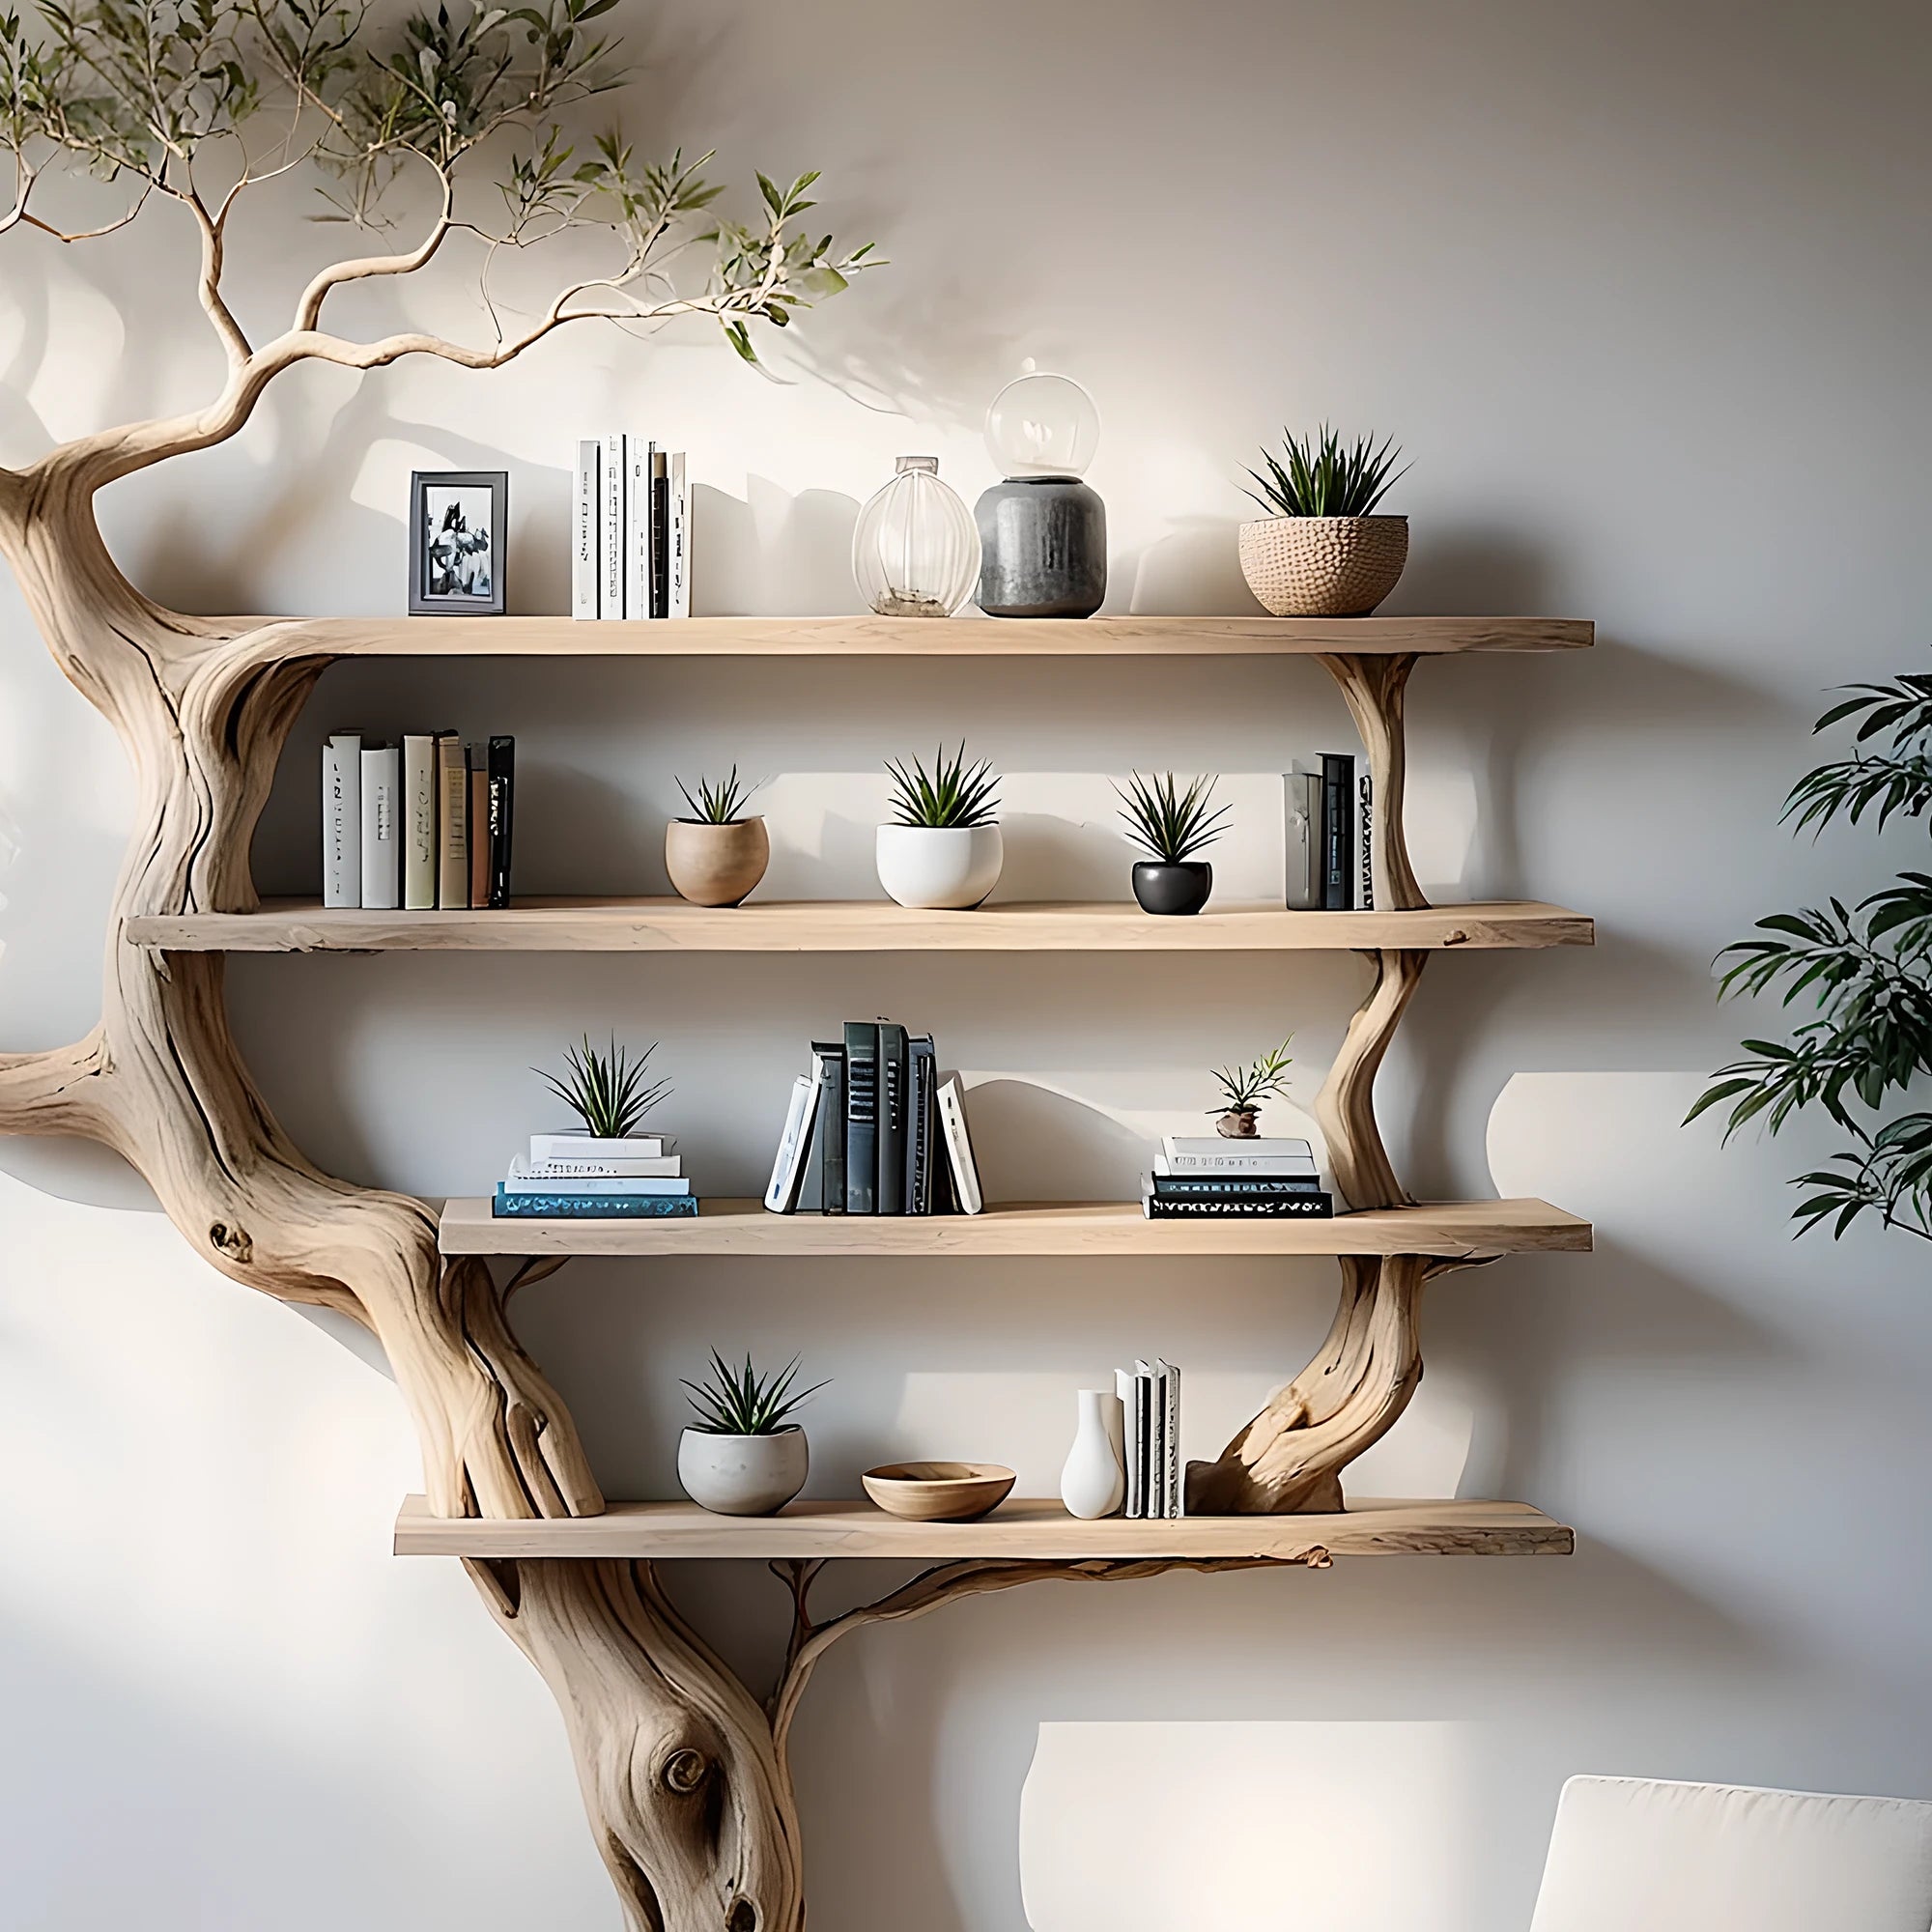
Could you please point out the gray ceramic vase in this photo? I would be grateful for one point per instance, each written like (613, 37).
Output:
(1043, 548)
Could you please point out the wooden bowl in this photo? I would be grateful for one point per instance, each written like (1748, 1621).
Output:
(939, 1491)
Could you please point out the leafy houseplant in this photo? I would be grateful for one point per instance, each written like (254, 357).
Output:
(1868, 973)
(943, 848)
(608, 1092)
(1322, 550)
(1243, 1089)
(1171, 825)
(743, 1456)
(717, 855)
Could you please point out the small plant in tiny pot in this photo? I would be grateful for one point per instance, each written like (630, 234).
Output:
(608, 1092)
(942, 849)
(1171, 825)
(743, 1456)
(1321, 552)
(1243, 1089)
(717, 855)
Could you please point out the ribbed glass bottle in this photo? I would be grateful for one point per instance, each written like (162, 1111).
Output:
(915, 548)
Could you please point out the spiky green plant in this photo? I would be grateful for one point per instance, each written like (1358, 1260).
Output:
(1868, 971)
(1323, 478)
(741, 1402)
(1172, 824)
(608, 1092)
(1247, 1087)
(950, 795)
(719, 803)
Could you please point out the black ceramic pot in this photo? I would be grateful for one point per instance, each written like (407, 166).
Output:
(1043, 548)
(1172, 889)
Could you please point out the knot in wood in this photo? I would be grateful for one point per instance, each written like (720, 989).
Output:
(234, 1242)
(685, 1770)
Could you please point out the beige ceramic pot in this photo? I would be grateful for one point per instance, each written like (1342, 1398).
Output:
(1323, 566)
(716, 864)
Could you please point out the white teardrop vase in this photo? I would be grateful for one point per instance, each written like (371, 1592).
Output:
(1094, 1483)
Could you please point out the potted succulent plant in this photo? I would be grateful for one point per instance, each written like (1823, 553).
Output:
(1321, 552)
(1171, 825)
(1243, 1089)
(743, 1456)
(608, 1092)
(717, 855)
(943, 848)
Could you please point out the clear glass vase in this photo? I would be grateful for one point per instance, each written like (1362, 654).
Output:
(916, 550)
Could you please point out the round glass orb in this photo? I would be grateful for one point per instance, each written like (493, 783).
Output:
(915, 548)
(1043, 426)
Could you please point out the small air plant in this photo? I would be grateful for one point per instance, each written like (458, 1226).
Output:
(722, 801)
(742, 1401)
(953, 796)
(1321, 478)
(1244, 1088)
(1172, 824)
(608, 1092)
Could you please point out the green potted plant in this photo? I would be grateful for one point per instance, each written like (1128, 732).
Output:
(719, 853)
(743, 1456)
(1321, 552)
(1243, 1089)
(608, 1092)
(1171, 825)
(943, 848)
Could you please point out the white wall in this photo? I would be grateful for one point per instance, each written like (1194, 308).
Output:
(1642, 289)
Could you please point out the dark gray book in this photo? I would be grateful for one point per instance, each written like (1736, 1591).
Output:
(1338, 818)
(921, 1119)
(500, 804)
(895, 1098)
(830, 1057)
(862, 1117)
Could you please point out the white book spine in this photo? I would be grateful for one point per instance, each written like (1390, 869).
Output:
(381, 825)
(1257, 1146)
(568, 1146)
(1365, 887)
(610, 529)
(587, 511)
(959, 1144)
(1130, 1439)
(788, 1168)
(637, 559)
(342, 820)
(680, 538)
(630, 1183)
(595, 1170)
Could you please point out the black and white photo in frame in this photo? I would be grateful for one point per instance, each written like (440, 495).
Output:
(459, 530)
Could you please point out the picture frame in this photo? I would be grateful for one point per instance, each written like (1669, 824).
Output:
(459, 538)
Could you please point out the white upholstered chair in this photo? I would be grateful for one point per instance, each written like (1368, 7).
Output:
(1639, 1854)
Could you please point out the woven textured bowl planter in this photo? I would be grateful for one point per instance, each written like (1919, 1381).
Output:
(1323, 566)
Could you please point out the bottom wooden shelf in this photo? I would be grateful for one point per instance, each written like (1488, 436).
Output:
(1019, 1530)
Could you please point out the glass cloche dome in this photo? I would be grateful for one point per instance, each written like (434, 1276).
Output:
(1042, 425)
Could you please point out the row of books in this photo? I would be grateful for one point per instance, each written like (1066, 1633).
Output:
(889, 1127)
(1206, 1178)
(1149, 1395)
(630, 532)
(418, 825)
(577, 1177)
(1330, 815)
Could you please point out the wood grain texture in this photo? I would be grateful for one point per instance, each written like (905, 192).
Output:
(829, 926)
(1025, 1530)
(909, 636)
(1372, 688)
(1344, 1107)
(1453, 1229)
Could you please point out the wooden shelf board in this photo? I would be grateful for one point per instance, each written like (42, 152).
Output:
(1021, 1530)
(915, 637)
(829, 926)
(1450, 1228)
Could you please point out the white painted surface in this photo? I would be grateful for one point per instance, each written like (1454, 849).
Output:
(1643, 290)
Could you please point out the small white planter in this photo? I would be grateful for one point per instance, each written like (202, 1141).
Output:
(943, 868)
(743, 1475)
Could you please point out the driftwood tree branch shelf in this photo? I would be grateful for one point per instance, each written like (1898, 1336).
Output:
(684, 1772)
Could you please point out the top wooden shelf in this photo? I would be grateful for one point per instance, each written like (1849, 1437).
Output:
(916, 636)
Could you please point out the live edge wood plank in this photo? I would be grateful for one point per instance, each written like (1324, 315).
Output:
(1019, 1530)
(1453, 1229)
(828, 926)
(916, 636)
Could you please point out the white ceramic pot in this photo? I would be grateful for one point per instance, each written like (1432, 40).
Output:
(743, 1475)
(1094, 1483)
(945, 867)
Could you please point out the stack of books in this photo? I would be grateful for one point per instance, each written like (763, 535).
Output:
(418, 825)
(1330, 815)
(630, 530)
(574, 1177)
(1208, 1177)
(889, 1129)
(1151, 1395)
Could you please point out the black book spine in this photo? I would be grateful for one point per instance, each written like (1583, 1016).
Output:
(862, 1117)
(502, 798)
(831, 1129)
(660, 534)
(1274, 1208)
(919, 1125)
(895, 1097)
(1337, 847)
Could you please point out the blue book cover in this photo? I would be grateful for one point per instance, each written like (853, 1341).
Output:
(592, 1206)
